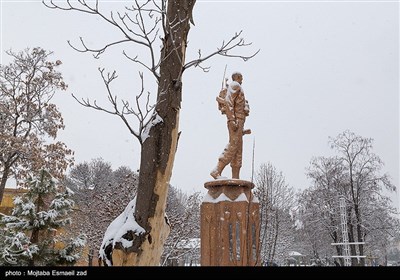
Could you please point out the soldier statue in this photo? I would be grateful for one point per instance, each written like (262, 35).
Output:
(232, 103)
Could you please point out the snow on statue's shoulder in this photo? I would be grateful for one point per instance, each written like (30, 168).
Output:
(122, 224)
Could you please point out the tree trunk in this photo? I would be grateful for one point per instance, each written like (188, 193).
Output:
(158, 150)
(359, 234)
(339, 250)
(275, 236)
(3, 182)
(263, 234)
(353, 251)
(35, 231)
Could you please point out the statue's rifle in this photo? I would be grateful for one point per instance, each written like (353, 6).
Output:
(224, 79)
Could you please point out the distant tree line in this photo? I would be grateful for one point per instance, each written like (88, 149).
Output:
(310, 221)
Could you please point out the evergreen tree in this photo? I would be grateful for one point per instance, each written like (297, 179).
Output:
(29, 236)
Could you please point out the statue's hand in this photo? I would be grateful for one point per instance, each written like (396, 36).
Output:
(233, 125)
(246, 131)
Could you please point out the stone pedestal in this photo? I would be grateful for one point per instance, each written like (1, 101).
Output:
(230, 224)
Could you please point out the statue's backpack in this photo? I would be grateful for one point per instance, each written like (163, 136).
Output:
(221, 98)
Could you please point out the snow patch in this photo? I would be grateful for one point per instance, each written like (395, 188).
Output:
(221, 197)
(255, 199)
(69, 191)
(242, 197)
(122, 224)
(192, 243)
(156, 119)
(294, 253)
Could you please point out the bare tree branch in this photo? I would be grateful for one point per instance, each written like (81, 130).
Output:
(143, 37)
(142, 116)
(136, 60)
(97, 52)
(234, 42)
(69, 7)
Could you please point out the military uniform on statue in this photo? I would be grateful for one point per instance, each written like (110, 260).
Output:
(232, 103)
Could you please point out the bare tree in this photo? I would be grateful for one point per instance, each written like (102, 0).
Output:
(363, 180)
(100, 195)
(28, 118)
(355, 175)
(316, 226)
(183, 214)
(96, 174)
(158, 131)
(381, 227)
(319, 206)
(276, 200)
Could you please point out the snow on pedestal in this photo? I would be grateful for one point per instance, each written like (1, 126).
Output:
(230, 224)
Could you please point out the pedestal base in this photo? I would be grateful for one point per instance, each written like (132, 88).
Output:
(230, 224)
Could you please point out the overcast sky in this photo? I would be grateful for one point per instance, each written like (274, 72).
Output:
(323, 67)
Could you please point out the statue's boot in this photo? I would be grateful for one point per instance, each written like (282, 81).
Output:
(216, 172)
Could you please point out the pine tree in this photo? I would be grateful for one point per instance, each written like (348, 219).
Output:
(30, 232)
